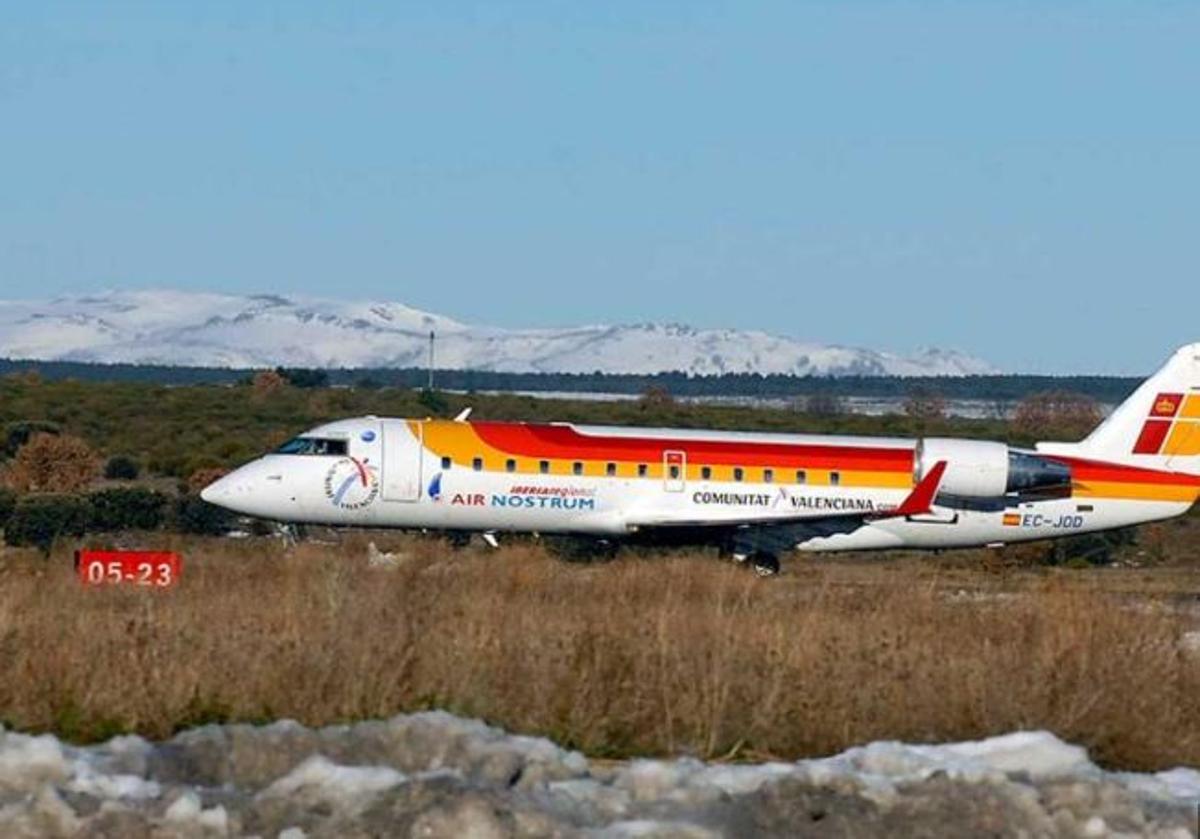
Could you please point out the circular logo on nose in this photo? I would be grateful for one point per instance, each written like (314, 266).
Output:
(368, 436)
(351, 485)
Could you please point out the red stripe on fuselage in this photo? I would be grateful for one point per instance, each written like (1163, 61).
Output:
(564, 442)
(1095, 470)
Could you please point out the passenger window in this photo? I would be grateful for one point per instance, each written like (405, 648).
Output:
(477, 464)
(801, 476)
(446, 463)
(642, 470)
(738, 473)
(674, 471)
(768, 476)
(835, 478)
(610, 469)
(705, 473)
(544, 467)
(510, 465)
(577, 468)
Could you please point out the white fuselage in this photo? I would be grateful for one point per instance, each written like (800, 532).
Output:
(406, 474)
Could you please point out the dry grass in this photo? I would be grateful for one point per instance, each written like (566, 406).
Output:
(664, 656)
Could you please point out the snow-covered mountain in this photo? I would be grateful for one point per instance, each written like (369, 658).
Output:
(220, 330)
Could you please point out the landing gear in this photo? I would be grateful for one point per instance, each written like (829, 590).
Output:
(765, 564)
(582, 549)
(292, 534)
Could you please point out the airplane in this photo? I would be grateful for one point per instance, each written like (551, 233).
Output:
(758, 495)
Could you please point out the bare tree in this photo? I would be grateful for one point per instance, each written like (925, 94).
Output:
(656, 396)
(267, 382)
(1058, 413)
(925, 403)
(823, 405)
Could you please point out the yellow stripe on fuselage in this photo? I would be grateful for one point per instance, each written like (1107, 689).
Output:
(459, 442)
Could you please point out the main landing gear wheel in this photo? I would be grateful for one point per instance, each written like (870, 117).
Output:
(765, 564)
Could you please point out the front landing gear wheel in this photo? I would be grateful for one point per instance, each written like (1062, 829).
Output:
(765, 564)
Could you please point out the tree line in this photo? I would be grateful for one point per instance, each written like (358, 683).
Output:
(1105, 389)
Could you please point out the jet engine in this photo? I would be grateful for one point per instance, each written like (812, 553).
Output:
(982, 469)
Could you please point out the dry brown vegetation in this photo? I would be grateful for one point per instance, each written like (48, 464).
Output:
(671, 655)
(52, 462)
(1074, 415)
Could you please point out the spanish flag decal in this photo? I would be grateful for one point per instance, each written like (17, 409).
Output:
(1167, 430)
(1166, 405)
(1012, 519)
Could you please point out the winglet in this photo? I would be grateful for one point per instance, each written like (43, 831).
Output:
(920, 500)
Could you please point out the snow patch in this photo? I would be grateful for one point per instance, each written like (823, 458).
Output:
(220, 330)
(188, 810)
(27, 763)
(450, 776)
(343, 785)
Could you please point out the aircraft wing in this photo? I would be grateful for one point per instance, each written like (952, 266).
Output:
(919, 502)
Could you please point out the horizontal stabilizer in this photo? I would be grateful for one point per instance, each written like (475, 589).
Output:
(920, 500)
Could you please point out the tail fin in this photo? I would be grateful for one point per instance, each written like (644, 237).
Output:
(1158, 427)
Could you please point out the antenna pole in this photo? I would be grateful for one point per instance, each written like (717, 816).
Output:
(431, 337)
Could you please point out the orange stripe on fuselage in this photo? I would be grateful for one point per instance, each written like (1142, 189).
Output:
(859, 466)
(1096, 479)
(563, 446)
(1135, 492)
(562, 441)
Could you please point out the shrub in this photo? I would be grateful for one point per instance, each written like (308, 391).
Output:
(303, 377)
(8, 502)
(823, 405)
(924, 403)
(203, 477)
(17, 434)
(127, 508)
(656, 397)
(267, 382)
(38, 520)
(1057, 413)
(52, 463)
(192, 514)
(167, 460)
(433, 401)
(1090, 548)
(121, 467)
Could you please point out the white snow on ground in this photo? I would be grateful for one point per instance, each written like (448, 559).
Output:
(328, 781)
(1037, 753)
(443, 775)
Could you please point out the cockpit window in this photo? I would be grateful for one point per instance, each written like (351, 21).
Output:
(314, 446)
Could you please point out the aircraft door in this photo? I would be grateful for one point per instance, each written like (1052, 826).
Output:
(674, 471)
(403, 450)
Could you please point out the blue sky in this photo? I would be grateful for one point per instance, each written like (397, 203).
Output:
(1017, 180)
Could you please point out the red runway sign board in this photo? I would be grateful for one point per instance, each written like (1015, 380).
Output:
(153, 569)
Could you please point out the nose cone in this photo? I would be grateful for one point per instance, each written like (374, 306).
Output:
(217, 492)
